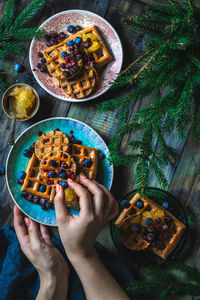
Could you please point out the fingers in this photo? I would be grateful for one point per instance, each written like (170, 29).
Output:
(45, 235)
(99, 199)
(113, 207)
(34, 233)
(59, 203)
(20, 227)
(84, 197)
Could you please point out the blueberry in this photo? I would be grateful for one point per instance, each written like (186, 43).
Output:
(20, 181)
(64, 54)
(64, 184)
(52, 173)
(101, 155)
(77, 27)
(139, 204)
(39, 65)
(148, 221)
(158, 220)
(24, 194)
(21, 175)
(18, 67)
(53, 34)
(53, 163)
(62, 35)
(85, 45)
(70, 43)
(43, 60)
(135, 227)
(27, 153)
(78, 40)
(63, 66)
(71, 48)
(42, 201)
(62, 175)
(165, 204)
(42, 188)
(150, 237)
(70, 28)
(124, 204)
(43, 69)
(87, 163)
(48, 43)
(40, 54)
(29, 197)
(47, 204)
(2, 171)
(36, 199)
(165, 227)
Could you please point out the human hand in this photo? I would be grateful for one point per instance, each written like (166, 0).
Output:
(36, 244)
(78, 233)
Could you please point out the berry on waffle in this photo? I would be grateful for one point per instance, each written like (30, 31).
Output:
(86, 159)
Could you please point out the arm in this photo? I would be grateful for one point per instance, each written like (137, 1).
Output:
(78, 234)
(36, 244)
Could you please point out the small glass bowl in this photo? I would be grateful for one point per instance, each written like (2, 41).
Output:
(6, 105)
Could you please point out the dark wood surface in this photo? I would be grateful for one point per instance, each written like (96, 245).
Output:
(183, 176)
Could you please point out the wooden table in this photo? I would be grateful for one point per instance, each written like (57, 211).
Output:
(183, 177)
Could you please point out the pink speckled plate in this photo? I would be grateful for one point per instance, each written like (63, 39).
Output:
(59, 22)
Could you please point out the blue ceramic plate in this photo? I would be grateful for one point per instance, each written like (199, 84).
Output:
(16, 162)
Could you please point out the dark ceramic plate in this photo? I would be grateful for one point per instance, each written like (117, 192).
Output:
(147, 257)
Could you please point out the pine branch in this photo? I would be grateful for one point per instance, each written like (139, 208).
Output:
(28, 13)
(9, 13)
(29, 33)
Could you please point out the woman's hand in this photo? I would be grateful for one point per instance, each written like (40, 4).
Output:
(36, 244)
(78, 233)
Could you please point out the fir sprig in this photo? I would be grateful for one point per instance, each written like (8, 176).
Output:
(168, 72)
(14, 31)
(161, 281)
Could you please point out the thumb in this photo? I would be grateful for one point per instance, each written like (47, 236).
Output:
(59, 203)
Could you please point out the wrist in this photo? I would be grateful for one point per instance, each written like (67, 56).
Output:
(52, 286)
(82, 256)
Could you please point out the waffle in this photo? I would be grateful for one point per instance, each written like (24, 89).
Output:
(102, 56)
(34, 179)
(166, 241)
(51, 141)
(58, 157)
(80, 153)
(82, 86)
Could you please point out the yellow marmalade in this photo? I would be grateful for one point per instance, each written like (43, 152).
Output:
(22, 101)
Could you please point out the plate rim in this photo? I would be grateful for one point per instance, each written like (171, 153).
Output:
(11, 149)
(71, 99)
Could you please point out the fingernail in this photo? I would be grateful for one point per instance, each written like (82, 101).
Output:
(82, 177)
(70, 180)
(57, 188)
(27, 221)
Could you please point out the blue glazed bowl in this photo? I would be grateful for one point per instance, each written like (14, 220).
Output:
(16, 162)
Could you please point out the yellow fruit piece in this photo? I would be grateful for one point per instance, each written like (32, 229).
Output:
(136, 219)
(158, 214)
(91, 74)
(70, 195)
(91, 36)
(22, 101)
(94, 47)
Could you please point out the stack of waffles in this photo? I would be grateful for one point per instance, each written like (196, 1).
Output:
(144, 224)
(74, 66)
(53, 161)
